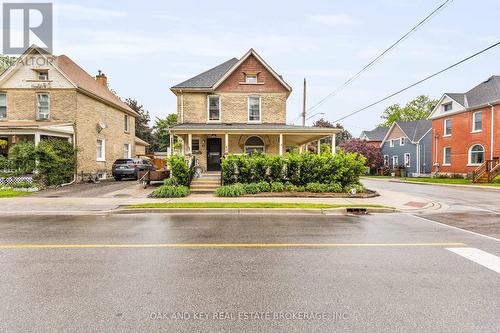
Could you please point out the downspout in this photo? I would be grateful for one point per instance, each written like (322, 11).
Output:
(436, 151)
(492, 134)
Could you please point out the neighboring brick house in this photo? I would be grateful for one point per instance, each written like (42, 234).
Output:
(51, 96)
(409, 145)
(375, 136)
(466, 128)
(237, 107)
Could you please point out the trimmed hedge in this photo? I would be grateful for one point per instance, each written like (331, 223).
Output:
(179, 169)
(297, 169)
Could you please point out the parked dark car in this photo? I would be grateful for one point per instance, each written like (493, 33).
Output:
(130, 167)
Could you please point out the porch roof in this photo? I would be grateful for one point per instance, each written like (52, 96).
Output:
(32, 127)
(203, 128)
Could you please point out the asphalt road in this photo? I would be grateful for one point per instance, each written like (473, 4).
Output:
(473, 209)
(393, 273)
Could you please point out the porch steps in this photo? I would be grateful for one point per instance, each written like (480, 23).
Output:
(207, 183)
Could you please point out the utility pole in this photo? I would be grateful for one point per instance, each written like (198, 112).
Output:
(304, 105)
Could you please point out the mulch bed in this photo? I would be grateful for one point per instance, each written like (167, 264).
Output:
(366, 194)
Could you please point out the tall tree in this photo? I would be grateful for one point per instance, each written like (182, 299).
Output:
(160, 131)
(340, 138)
(416, 109)
(142, 129)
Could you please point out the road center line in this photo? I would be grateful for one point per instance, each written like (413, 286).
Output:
(480, 257)
(79, 246)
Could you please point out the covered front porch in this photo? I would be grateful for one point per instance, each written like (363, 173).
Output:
(14, 132)
(210, 142)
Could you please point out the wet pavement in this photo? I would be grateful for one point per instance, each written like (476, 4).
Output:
(390, 272)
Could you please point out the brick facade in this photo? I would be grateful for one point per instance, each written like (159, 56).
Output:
(462, 138)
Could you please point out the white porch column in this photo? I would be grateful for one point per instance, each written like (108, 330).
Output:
(301, 148)
(334, 143)
(319, 146)
(37, 139)
(280, 143)
(226, 143)
(190, 144)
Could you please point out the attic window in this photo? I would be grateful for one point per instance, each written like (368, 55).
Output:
(43, 75)
(447, 107)
(251, 78)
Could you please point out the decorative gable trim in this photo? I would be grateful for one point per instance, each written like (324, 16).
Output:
(245, 57)
(7, 74)
(390, 131)
(435, 112)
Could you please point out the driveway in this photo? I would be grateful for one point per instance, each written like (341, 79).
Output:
(392, 272)
(104, 189)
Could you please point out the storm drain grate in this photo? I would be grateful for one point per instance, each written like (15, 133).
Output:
(357, 211)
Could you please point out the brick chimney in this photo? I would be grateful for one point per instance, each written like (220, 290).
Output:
(102, 79)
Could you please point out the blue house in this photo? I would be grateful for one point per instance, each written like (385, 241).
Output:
(409, 145)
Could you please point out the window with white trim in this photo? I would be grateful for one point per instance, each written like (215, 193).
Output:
(3, 105)
(447, 156)
(251, 78)
(402, 141)
(213, 108)
(476, 155)
(391, 143)
(127, 152)
(43, 105)
(254, 109)
(477, 121)
(407, 160)
(101, 150)
(254, 144)
(386, 160)
(447, 127)
(43, 75)
(395, 161)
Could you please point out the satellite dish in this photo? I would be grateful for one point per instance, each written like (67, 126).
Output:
(100, 126)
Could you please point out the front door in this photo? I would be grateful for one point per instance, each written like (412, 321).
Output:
(214, 154)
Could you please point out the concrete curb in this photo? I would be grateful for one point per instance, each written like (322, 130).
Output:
(244, 211)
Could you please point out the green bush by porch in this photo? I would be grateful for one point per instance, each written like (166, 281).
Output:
(298, 169)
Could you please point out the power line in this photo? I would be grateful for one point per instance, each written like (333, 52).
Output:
(418, 82)
(392, 46)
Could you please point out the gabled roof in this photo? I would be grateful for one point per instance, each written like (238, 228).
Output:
(208, 78)
(376, 134)
(211, 79)
(414, 130)
(457, 97)
(79, 78)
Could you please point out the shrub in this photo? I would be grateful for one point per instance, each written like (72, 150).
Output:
(358, 187)
(301, 188)
(317, 187)
(335, 188)
(264, 187)
(25, 184)
(170, 181)
(496, 180)
(56, 161)
(234, 190)
(251, 188)
(289, 187)
(22, 157)
(179, 169)
(170, 191)
(277, 187)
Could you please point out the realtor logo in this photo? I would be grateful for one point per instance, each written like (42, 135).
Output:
(25, 24)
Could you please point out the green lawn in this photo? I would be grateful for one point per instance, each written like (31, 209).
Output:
(12, 193)
(459, 181)
(246, 205)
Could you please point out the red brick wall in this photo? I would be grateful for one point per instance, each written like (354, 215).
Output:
(267, 82)
(462, 139)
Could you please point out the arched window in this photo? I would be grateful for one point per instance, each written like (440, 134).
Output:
(254, 144)
(476, 155)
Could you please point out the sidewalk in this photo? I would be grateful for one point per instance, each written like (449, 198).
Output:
(396, 180)
(72, 205)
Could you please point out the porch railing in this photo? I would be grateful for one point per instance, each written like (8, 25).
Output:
(487, 171)
(192, 169)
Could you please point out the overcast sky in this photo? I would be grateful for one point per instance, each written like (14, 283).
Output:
(145, 47)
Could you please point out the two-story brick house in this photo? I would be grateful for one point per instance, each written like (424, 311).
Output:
(237, 107)
(51, 96)
(466, 128)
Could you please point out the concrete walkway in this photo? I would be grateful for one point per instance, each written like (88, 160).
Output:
(66, 205)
